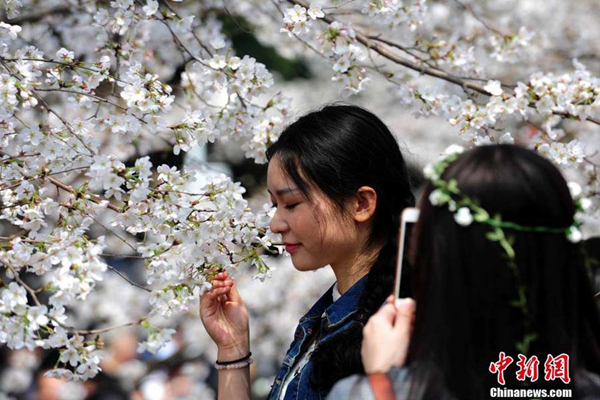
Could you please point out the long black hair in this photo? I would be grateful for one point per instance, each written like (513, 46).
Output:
(340, 148)
(464, 285)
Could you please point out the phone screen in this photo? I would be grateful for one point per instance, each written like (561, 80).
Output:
(402, 282)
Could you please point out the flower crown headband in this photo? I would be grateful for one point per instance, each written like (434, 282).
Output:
(466, 210)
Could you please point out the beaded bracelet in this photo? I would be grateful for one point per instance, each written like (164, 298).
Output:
(238, 365)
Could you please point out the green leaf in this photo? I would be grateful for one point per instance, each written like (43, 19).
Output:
(453, 186)
(510, 252)
(481, 215)
(493, 236)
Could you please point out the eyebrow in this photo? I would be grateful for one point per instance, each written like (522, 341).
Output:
(281, 192)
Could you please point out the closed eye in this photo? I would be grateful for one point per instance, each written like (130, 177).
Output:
(291, 206)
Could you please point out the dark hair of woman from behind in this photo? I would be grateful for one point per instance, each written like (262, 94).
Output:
(338, 149)
(464, 286)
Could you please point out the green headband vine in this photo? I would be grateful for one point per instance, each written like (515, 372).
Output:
(466, 210)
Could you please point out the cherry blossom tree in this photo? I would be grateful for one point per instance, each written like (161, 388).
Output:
(90, 88)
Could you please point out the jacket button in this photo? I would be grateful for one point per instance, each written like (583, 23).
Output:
(278, 381)
(309, 331)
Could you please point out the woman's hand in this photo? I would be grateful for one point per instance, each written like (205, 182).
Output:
(386, 336)
(225, 318)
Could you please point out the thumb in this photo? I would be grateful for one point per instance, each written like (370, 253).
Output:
(405, 311)
(208, 304)
(387, 312)
(234, 295)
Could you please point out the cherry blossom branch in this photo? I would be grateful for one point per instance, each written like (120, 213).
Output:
(426, 70)
(92, 197)
(180, 44)
(34, 178)
(48, 108)
(14, 236)
(403, 48)
(33, 294)
(10, 158)
(301, 40)
(549, 139)
(402, 61)
(168, 6)
(73, 65)
(97, 98)
(28, 288)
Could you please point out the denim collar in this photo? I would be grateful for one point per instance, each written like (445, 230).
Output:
(338, 312)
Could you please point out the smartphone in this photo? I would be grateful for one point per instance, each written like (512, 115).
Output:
(408, 219)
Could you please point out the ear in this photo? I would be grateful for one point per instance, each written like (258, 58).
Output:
(364, 204)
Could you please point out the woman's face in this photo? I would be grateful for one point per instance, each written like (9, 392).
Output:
(315, 233)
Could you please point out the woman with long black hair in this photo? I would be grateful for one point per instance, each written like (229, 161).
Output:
(494, 270)
(339, 182)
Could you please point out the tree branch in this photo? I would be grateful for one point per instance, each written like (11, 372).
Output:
(70, 189)
(478, 18)
(436, 73)
(37, 16)
(113, 269)
(110, 328)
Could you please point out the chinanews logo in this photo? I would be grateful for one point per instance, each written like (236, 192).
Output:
(555, 368)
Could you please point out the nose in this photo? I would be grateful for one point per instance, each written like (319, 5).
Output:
(278, 224)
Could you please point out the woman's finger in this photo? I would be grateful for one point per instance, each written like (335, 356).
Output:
(405, 313)
(387, 312)
(210, 299)
(222, 275)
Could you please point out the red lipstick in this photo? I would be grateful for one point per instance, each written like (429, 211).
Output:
(292, 247)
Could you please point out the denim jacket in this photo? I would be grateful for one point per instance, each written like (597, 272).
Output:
(328, 318)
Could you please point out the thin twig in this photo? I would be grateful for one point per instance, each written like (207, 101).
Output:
(103, 100)
(33, 294)
(124, 256)
(338, 6)
(478, 18)
(113, 233)
(113, 269)
(92, 197)
(72, 66)
(26, 286)
(33, 178)
(110, 328)
(48, 108)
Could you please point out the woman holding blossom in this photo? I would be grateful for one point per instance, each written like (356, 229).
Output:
(339, 182)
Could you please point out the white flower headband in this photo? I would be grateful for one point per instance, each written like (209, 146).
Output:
(467, 210)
